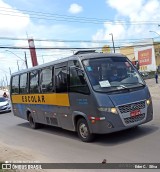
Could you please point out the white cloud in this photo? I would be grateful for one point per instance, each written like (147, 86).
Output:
(134, 15)
(75, 8)
(141, 10)
(16, 24)
(12, 21)
(126, 7)
(52, 54)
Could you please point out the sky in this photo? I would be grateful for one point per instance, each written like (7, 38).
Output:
(71, 24)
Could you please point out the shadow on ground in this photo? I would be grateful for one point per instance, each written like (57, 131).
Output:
(128, 135)
(111, 139)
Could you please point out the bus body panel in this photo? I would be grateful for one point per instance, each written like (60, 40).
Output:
(82, 105)
(132, 96)
(119, 121)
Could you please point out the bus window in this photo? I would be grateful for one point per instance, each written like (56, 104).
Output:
(34, 82)
(74, 63)
(23, 83)
(61, 79)
(15, 85)
(109, 74)
(46, 80)
(77, 81)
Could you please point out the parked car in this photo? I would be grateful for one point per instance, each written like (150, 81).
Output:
(4, 105)
(144, 74)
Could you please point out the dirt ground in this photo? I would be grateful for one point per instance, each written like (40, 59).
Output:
(17, 155)
(10, 153)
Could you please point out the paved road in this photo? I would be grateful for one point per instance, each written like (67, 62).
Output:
(141, 144)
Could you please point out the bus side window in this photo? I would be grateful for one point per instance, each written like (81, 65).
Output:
(23, 83)
(61, 79)
(46, 84)
(74, 63)
(34, 82)
(15, 85)
(77, 82)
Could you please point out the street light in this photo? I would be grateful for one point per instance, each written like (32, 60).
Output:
(154, 32)
(20, 58)
(10, 71)
(43, 59)
(112, 41)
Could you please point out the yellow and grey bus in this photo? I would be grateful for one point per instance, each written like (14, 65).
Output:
(88, 92)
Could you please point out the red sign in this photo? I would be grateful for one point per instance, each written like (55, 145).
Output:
(135, 113)
(145, 57)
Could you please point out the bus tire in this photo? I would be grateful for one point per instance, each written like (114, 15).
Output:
(83, 131)
(32, 123)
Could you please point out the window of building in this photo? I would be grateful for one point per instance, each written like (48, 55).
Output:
(61, 79)
(34, 82)
(23, 83)
(46, 83)
(15, 85)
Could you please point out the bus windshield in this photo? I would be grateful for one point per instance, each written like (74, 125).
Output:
(109, 74)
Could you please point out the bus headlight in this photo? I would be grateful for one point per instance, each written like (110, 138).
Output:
(148, 102)
(112, 110)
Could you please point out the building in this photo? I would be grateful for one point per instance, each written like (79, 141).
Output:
(147, 52)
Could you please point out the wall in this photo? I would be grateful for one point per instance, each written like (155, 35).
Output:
(128, 51)
(145, 53)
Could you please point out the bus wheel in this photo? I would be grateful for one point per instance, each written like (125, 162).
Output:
(83, 131)
(32, 123)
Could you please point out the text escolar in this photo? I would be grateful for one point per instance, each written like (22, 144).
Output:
(33, 99)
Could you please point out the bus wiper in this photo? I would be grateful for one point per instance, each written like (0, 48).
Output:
(135, 83)
(141, 84)
(120, 86)
(124, 87)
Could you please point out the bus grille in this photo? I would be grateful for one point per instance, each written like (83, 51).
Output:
(137, 118)
(132, 107)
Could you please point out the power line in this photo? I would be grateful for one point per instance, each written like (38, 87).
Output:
(48, 48)
(74, 41)
(50, 15)
(78, 48)
(91, 22)
(58, 17)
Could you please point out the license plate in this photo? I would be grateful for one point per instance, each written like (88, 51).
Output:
(135, 113)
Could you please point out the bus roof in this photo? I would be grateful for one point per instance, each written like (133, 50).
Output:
(77, 55)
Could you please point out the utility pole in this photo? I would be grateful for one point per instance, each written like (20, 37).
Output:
(6, 80)
(18, 65)
(3, 84)
(25, 60)
(10, 71)
(43, 59)
(112, 41)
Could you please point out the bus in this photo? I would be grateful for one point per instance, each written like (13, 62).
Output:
(89, 93)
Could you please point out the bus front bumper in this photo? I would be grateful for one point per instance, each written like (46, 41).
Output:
(113, 123)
